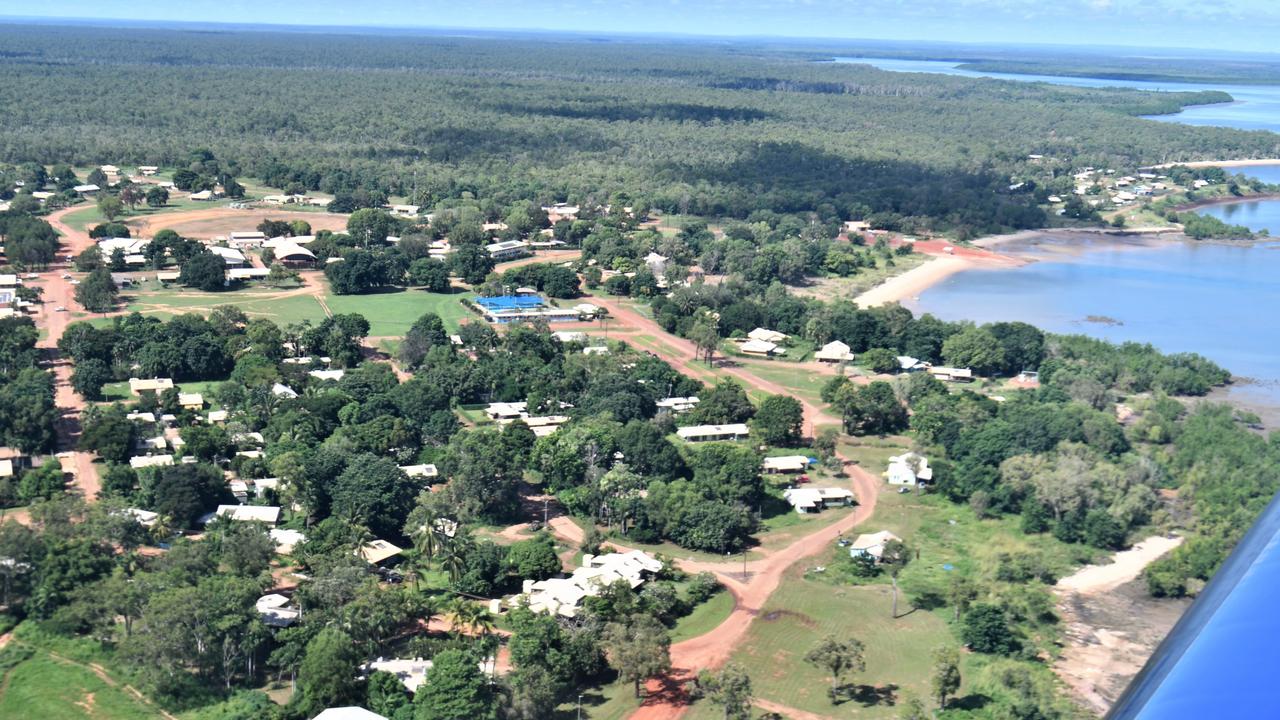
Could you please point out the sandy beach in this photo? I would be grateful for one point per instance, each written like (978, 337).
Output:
(1219, 163)
(1124, 566)
(914, 281)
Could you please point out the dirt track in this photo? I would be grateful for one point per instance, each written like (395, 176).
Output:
(666, 700)
(60, 292)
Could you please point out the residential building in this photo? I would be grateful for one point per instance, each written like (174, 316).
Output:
(420, 471)
(191, 401)
(561, 596)
(834, 352)
(785, 464)
(705, 433)
(909, 470)
(766, 335)
(763, 348)
(349, 712)
(137, 386)
(231, 256)
(951, 374)
(249, 513)
(507, 250)
(376, 552)
(872, 544)
(906, 363)
(810, 499)
(405, 211)
(677, 405)
(246, 240)
(276, 612)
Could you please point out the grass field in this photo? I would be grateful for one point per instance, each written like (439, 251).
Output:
(801, 382)
(800, 614)
(391, 314)
(55, 682)
(255, 302)
(704, 618)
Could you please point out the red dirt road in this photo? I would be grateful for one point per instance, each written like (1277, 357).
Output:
(666, 700)
(60, 292)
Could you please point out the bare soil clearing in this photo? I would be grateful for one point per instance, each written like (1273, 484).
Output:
(208, 222)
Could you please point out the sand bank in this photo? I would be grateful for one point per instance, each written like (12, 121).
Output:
(914, 281)
(1124, 566)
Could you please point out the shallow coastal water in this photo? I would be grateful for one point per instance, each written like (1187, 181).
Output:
(1256, 107)
(1257, 215)
(1222, 301)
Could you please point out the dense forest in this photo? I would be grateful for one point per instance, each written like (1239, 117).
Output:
(723, 130)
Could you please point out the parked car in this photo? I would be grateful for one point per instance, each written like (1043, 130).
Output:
(75, 282)
(59, 309)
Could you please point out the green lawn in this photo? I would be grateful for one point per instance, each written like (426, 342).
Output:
(704, 618)
(255, 302)
(391, 314)
(803, 383)
(801, 613)
(116, 392)
(54, 683)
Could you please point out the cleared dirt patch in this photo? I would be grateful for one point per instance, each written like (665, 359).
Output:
(206, 223)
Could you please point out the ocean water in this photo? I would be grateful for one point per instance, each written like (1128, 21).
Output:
(1256, 107)
(1222, 301)
(1257, 215)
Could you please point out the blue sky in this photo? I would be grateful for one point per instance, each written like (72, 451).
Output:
(1249, 25)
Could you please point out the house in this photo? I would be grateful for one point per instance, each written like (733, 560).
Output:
(247, 273)
(507, 250)
(909, 470)
(834, 352)
(809, 499)
(333, 375)
(656, 263)
(596, 350)
(138, 386)
(906, 363)
(951, 374)
(1028, 378)
(494, 227)
(277, 199)
(566, 336)
(856, 226)
(202, 196)
(169, 276)
(704, 433)
(275, 611)
(85, 190)
(771, 336)
(6, 468)
(145, 518)
(218, 416)
(420, 471)
(760, 347)
(785, 464)
(286, 540)
(246, 240)
(561, 596)
(677, 405)
(872, 544)
(376, 551)
(148, 170)
(561, 211)
(148, 461)
(348, 713)
(231, 256)
(249, 513)
(506, 411)
(587, 311)
(283, 391)
(405, 211)
(109, 169)
(291, 253)
(9, 280)
(191, 401)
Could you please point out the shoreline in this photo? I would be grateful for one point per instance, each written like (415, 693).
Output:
(1217, 163)
(1211, 202)
(916, 280)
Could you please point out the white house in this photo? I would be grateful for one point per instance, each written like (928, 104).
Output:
(249, 513)
(785, 464)
(137, 463)
(677, 405)
(349, 712)
(275, 611)
(246, 240)
(137, 386)
(809, 499)
(283, 391)
(760, 347)
(906, 363)
(908, 470)
(405, 211)
(951, 374)
(191, 401)
(703, 433)
(507, 249)
(656, 263)
(420, 471)
(202, 196)
(230, 256)
(772, 336)
(86, 189)
(834, 352)
(561, 596)
(872, 544)
(377, 551)
(334, 375)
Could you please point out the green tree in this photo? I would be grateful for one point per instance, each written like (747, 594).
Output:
(534, 558)
(157, 196)
(206, 271)
(110, 206)
(638, 649)
(872, 409)
(373, 491)
(946, 674)
(471, 263)
(837, 657)
(779, 421)
(89, 376)
(97, 292)
(730, 688)
(431, 274)
(879, 360)
(976, 348)
(986, 630)
(327, 674)
(109, 433)
(455, 689)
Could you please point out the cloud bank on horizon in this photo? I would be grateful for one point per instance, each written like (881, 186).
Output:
(1225, 24)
